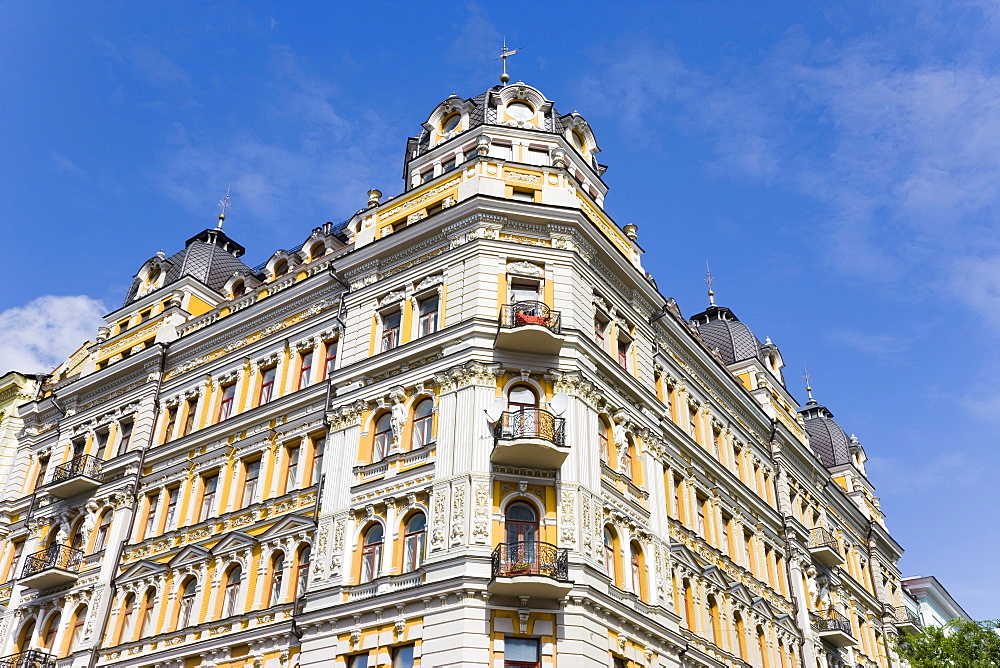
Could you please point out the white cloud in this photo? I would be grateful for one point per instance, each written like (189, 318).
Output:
(919, 476)
(37, 337)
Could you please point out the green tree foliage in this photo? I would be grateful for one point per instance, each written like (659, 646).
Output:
(958, 644)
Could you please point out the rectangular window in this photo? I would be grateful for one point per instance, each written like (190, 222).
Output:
(251, 476)
(330, 359)
(428, 315)
(172, 496)
(623, 349)
(153, 500)
(266, 385)
(537, 156)
(319, 449)
(43, 465)
(228, 398)
(693, 422)
(12, 566)
(524, 291)
(101, 439)
(390, 330)
(502, 151)
(357, 661)
(209, 486)
(600, 328)
(305, 368)
(292, 469)
(522, 195)
(402, 656)
(144, 316)
(426, 176)
(520, 653)
(190, 410)
(79, 446)
(448, 166)
(125, 437)
(702, 512)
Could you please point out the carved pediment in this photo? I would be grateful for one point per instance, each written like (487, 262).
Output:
(141, 569)
(287, 526)
(234, 541)
(717, 577)
(683, 555)
(190, 555)
(762, 608)
(741, 594)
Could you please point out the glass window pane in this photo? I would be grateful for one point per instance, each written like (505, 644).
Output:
(520, 649)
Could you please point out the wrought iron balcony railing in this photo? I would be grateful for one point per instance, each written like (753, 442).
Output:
(531, 423)
(84, 465)
(520, 314)
(533, 557)
(909, 617)
(831, 620)
(31, 658)
(821, 537)
(54, 556)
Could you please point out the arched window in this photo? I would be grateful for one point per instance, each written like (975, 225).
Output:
(280, 267)
(233, 581)
(24, 639)
(153, 276)
(521, 398)
(423, 421)
(277, 574)
(148, 604)
(371, 553)
(715, 621)
(127, 628)
(521, 522)
(239, 289)
(302, 569)
(317, 250)
(741, 635)
(77, 541)
(637, 567)
(603, 439)
(51, 628)
(626, 459)
(186, 610)
(383, 437)
(101, 535)
(79, 622)
(765, 658)
(413, 542)
(610, 544)
(689, 611)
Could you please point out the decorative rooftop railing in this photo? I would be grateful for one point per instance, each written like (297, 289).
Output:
(520, 314)
(84, 465)
(511, 560)
(531, 423)
(906, 616)
(31, 658)
(54, 556)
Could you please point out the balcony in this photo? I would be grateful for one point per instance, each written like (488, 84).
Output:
(834, 628)
(823, 547)
(32, 658)
(907, 620)
(530, 437)
(530, 327)
(54, 566)
(530, 568)
(78, 475)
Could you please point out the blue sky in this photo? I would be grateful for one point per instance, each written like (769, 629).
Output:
(838, 163)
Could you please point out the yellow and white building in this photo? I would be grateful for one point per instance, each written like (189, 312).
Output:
(463, 428)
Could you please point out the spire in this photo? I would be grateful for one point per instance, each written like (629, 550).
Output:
(504, 55)
(806, 377)
(709, 280)
(223, 205)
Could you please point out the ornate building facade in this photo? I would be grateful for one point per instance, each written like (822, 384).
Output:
(463, 428)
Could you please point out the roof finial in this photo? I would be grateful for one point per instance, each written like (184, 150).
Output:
(709, 280)
(806, 376)
(504, 55)
(223, 205)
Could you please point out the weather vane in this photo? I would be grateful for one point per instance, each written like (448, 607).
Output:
(806, 376)
(223, 206)
(709, 280)
(504, 55)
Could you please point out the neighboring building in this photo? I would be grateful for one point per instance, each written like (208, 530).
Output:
(931, 602)
(463, 428)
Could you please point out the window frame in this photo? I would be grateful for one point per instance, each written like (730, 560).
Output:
(227, 401)
(390, 338)
(268, 376)
(428, 322)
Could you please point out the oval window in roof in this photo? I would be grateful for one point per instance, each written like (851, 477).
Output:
(451, 122)
(520, 111)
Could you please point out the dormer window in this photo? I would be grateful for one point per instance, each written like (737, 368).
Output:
(280, 268)
(520, 111)
(239, 289)
(450, 122)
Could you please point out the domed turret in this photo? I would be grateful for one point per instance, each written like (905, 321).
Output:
(826, 438)
(722, 330)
